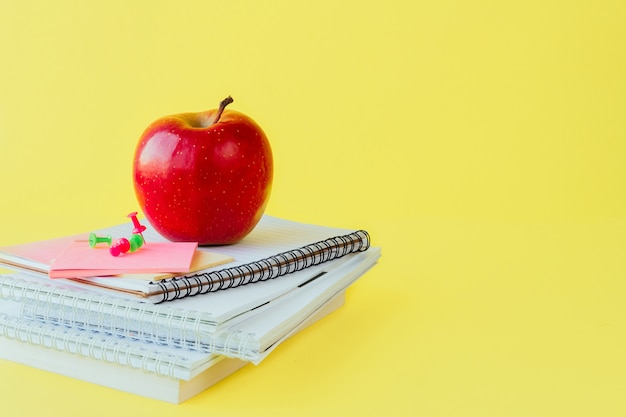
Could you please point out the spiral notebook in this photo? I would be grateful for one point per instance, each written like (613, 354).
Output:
(146, 369)
(276, 247)
(161, 360)
(251, 335)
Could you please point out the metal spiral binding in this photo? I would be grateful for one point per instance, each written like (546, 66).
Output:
(92, 345)
(264, 269)
(80, 306)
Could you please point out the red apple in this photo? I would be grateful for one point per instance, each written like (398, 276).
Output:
(203, 177)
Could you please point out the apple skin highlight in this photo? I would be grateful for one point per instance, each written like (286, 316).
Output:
(203, 177)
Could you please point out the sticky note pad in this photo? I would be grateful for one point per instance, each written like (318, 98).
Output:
(80, 260)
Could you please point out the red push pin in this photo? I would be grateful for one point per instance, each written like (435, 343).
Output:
(120, 246)
(139, 228)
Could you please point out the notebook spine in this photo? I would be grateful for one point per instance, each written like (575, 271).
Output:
(121, 313)
(235, 344)
(262, 270)
(97, 346)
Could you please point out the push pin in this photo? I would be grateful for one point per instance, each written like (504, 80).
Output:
(120, 246)
(136, 241)
(139, 228)
(94, 239)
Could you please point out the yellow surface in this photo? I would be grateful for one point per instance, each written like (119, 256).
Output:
(481, 143)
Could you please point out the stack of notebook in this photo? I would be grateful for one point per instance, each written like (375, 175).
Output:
(171, 336)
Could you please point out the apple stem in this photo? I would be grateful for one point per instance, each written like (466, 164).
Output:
(223, 105)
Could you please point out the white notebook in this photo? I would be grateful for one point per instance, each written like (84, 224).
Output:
(111, 375)
(275, 247)
(149, 370)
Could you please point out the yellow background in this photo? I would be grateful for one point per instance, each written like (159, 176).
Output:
(480, 142)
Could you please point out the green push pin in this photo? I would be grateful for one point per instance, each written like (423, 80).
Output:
(136, 241)
(94, 239)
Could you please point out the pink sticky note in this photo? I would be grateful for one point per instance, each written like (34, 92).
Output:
(80, 260)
